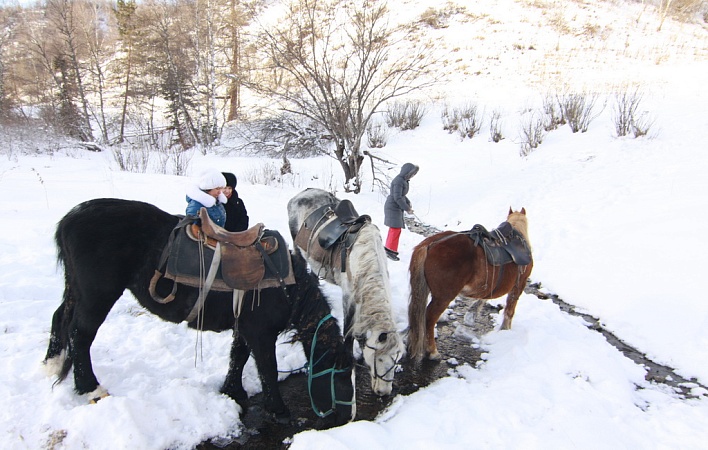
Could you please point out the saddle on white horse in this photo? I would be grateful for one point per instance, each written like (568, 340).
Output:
(329, 232)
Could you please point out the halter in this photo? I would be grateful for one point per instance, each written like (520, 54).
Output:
(331, 371)
(376, 372)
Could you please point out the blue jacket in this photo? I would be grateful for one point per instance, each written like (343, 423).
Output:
(217, 213)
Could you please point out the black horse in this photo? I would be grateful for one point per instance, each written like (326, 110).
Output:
(108, 245)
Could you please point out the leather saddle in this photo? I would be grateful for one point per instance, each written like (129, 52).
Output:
(256, 258)
(346, 222)
(502, 245)
(334, 228)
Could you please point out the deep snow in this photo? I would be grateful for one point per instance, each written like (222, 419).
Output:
(617, 227)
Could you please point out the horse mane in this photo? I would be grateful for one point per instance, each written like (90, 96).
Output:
(519, 221)
(309, 305)
(371, 285)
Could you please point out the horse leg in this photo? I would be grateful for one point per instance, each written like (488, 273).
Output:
(56, 351)
(233, 385)
(82, 331)
(263, 348)
(432, 313)
(511, 299)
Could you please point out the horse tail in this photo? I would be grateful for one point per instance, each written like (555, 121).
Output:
(417, 303)
(59, 338)
(63, 335)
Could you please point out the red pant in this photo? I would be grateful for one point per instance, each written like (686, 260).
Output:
(392, 239)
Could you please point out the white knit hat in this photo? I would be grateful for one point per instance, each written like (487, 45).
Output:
(211, 179)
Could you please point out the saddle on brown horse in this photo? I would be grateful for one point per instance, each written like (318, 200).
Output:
(502, 245)
(331, 230)
(209, 257)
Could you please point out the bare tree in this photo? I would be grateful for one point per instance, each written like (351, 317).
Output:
(7, 33)
(172, 62)
(334, 62)
(36, 79)
(99, 40)
(124, 12)
(63, 15)
(237, 16)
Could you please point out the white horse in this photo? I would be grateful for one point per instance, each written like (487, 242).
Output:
(365, 287)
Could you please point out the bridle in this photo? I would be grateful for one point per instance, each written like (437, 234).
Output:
(389, 371)
(331, 372)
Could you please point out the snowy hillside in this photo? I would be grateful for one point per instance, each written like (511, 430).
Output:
(616, 226)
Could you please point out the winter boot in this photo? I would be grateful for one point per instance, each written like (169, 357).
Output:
(392, 255)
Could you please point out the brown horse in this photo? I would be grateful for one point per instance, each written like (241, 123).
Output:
(449, 263)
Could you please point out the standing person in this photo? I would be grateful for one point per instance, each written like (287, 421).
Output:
(207, 193)
(396, 204)
(236, 215)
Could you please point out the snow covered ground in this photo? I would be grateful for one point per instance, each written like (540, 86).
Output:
(617, 227)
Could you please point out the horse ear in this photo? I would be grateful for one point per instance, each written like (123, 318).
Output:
(523, 211)
(510, 210)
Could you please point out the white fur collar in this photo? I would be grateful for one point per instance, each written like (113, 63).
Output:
(202, 197)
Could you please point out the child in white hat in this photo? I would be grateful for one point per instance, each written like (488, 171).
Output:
(207, 193)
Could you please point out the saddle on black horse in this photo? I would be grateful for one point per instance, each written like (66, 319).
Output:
(209, 257)
(330, 231)
(502, 245)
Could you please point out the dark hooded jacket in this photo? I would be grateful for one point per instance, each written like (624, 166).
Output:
(397, 202)
(236, 215)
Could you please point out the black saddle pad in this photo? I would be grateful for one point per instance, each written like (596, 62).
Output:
(280, 259)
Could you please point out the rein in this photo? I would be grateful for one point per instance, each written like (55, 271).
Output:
(331, 372)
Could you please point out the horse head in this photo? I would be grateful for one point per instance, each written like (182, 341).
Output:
(382, 351)
(331, 381)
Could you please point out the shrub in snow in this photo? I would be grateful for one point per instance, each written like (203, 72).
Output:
(578, 109)
(495, 131)
(465, 120)
(553, 112)
(532, 132)
(376, 134)
(626, 116)
(405, 115)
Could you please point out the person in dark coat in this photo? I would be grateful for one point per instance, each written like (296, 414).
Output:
(396, 204)
(236, 215)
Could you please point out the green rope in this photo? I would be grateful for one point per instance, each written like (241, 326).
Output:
(331, 371)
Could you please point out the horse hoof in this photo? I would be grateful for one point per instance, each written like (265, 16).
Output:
(52, 366)
(237, 395)
(434, 356)
(96, 395)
